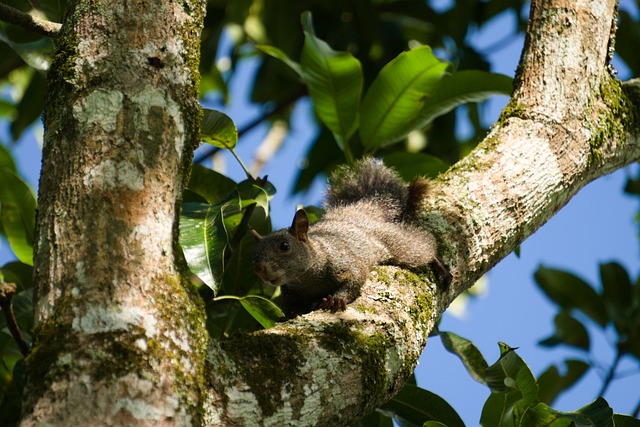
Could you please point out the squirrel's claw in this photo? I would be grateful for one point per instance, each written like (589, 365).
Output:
(333, 304)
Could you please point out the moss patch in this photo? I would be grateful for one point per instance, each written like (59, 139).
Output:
(267, 381)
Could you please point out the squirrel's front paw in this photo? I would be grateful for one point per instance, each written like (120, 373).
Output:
(333, 304)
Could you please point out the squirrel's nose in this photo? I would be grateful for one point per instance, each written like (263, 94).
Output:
(260, 268)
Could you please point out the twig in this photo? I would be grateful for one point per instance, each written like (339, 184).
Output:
(610, 373)
(30, 23)
(636, 411)
(7, 290)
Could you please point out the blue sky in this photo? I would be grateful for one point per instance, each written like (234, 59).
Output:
(596, 226)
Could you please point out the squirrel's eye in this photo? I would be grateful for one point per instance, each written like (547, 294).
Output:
(284, 246)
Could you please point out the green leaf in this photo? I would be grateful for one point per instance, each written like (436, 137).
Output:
(411, 165)
(617, 292)
(36, 54)
(551, 383)
(397, 95)
(6, 160)
(279, 54)
(569, 292)
(569, 331)
(468, 353)
(17, 214)
(543, 415)
(416, 406)
(204, 238)
(262, 309)
(209, 184)
(218, 129)
(513, 390)
(334, 80)
(620, 420)
(30, 106)
(596, 414)
(456, 89)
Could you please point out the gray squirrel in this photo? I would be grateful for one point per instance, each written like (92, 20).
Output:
(369, 220)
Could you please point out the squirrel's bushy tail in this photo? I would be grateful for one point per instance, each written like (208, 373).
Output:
(369, 179)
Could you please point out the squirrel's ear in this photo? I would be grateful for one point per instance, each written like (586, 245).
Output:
(256, 235)
(300, 225)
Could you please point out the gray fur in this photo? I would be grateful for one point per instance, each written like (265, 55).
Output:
(363, 227)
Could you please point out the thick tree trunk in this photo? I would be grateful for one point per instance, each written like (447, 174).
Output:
(121, 124)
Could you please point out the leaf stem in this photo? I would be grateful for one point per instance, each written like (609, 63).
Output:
(244, 168)
(7, 290)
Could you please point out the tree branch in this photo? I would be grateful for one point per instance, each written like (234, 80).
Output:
(30, 23)
(7, 290)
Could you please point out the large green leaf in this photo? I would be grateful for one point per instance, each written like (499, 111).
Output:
(571, 292)
(468, 353)
(569, 331)
(415, 406)
(204, 239)
(455, 89)
(397, 95)
(596, 414)
(209, 232)
(17, 214)
(551, 383)
(218, 129)
(513, 390)
(334, 80)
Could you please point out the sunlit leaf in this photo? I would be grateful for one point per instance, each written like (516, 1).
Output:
(462, 87)
(334, 80)
(513, 390)
(218, 129)
(204, 238)
(396, 97)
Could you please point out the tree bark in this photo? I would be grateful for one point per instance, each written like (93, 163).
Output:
(121, 124)
(120, 337)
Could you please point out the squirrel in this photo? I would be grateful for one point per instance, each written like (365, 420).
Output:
(370, 220)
